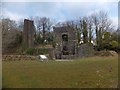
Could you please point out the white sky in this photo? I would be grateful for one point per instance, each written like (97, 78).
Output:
(59, 10)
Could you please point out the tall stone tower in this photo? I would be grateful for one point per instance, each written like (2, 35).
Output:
(28, 34)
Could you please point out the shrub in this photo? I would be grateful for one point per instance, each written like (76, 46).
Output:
(30, 51)
(42, 51)
(114, 44)
(103, 53)
(36, 51)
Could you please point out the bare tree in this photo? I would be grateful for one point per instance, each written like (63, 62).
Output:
(43, 25)
(95, 23)
(83, 29)
(10, 35)
(101, 24)
(20, 24)
(90, 29)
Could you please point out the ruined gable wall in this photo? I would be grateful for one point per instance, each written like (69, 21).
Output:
(72, 39)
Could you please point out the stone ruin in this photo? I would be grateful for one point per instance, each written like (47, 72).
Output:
(28, 34)
(66, 42)
(67, 46)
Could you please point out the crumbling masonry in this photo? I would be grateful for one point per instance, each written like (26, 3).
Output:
(28, 34)
(67, 46)
(66, 42)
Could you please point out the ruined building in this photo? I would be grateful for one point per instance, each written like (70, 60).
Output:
(66, 42)
(28, 34)
(67, 46)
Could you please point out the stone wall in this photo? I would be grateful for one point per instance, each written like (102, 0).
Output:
(18, 57)
(85, 50)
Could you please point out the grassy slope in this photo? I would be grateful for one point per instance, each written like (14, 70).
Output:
(81, 73)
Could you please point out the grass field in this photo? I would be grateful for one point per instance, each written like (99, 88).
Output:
(97, 72)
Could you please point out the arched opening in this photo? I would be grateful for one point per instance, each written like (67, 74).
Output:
(65, 37)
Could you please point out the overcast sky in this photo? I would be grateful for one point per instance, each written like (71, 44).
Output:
(59, 11)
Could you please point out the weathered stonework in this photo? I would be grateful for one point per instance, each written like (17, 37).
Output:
(85, 50)
(28, 34)
(67, 46)
(17, 57)
(66, 42)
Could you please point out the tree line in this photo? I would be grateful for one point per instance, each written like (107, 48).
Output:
(96, 28)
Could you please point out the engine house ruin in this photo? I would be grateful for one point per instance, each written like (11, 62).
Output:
(66, 42)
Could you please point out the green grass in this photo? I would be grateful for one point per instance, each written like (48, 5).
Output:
(81, 73)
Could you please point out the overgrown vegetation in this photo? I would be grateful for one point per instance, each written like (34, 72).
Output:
(36, 51)
(103, 53)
